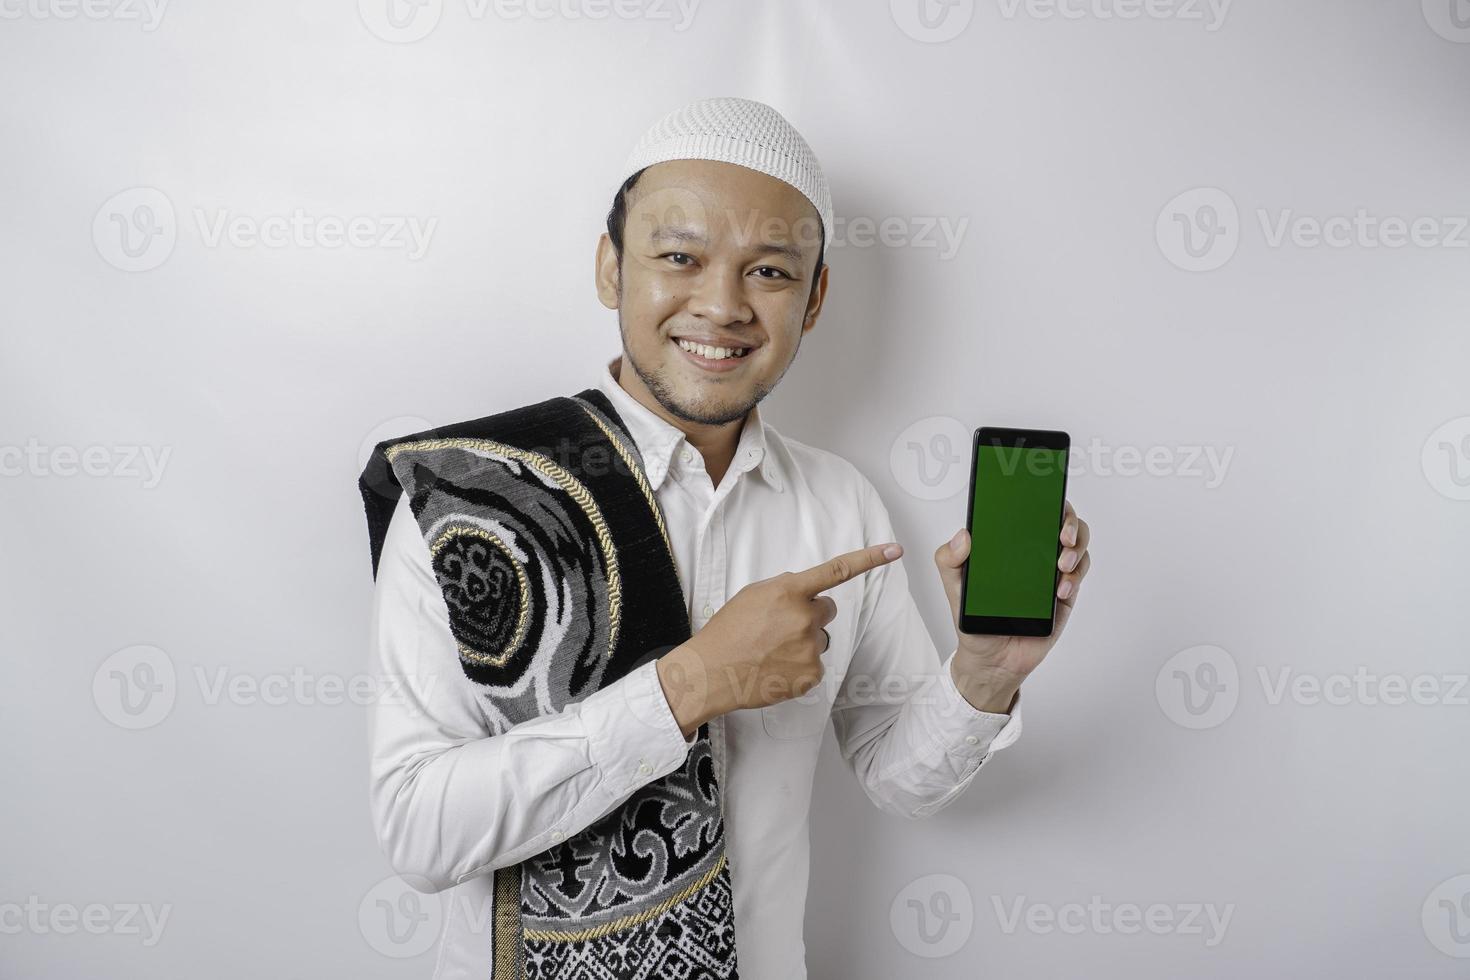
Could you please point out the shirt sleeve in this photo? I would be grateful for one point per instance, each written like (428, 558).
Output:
(452, 799)
(903, 726)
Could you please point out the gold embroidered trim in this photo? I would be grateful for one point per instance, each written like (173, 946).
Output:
(627, 921)
(523, 617)
(637, 472)
(573, 487)
(506, 955)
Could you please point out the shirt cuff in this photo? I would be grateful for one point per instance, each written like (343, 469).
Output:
(965, 731)
(633, 735)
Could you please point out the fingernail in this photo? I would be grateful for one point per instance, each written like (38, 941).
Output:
(892, 551)
(1065, 590)
(954, 542)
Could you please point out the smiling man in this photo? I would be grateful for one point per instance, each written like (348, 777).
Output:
(626, 617)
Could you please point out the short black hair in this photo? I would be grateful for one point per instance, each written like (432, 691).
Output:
(617, 219)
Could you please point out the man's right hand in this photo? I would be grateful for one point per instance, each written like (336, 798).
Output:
(765, 645)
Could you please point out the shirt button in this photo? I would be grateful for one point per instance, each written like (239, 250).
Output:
(556, 835)
(708, 610)
(643, 767)
(686, 455)
(972, 740)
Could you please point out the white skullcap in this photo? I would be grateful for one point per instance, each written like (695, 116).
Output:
(740, 131)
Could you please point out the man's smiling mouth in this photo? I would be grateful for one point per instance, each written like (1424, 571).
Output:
(712, 352)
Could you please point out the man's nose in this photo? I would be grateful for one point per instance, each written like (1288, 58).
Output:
(719, 296)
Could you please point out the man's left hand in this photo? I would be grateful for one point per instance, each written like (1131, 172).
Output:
(989, 670)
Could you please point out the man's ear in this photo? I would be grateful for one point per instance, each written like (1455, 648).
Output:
(607, 276)
(814, 304)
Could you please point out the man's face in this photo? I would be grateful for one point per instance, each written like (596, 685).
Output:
(720, 255)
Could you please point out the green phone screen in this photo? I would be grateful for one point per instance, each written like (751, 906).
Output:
(1013, 532)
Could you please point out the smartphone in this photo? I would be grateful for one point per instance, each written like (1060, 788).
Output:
(1018, 494)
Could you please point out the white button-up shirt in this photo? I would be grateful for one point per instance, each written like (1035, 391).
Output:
(452, 802)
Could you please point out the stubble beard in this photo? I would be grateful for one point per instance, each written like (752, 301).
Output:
(665, 394)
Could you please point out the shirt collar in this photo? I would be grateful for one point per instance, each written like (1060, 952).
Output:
(658, 440)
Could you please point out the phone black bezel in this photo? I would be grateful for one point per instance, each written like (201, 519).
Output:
(1023, 439)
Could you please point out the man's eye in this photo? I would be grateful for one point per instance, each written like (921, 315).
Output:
(770, 268)
(677, 255)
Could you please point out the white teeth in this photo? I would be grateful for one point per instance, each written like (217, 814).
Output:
(713, 353)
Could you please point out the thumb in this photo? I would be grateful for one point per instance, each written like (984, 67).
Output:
(950, 557)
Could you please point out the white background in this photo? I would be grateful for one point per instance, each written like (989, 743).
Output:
(1060, 140)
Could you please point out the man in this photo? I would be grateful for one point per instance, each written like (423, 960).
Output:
(652, 819)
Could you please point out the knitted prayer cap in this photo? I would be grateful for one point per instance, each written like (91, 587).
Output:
(739, 131)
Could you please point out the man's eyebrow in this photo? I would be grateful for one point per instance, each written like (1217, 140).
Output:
(684, 235)
(790, 251)
(690, 237)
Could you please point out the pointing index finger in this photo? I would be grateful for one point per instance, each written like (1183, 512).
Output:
(833, 572)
